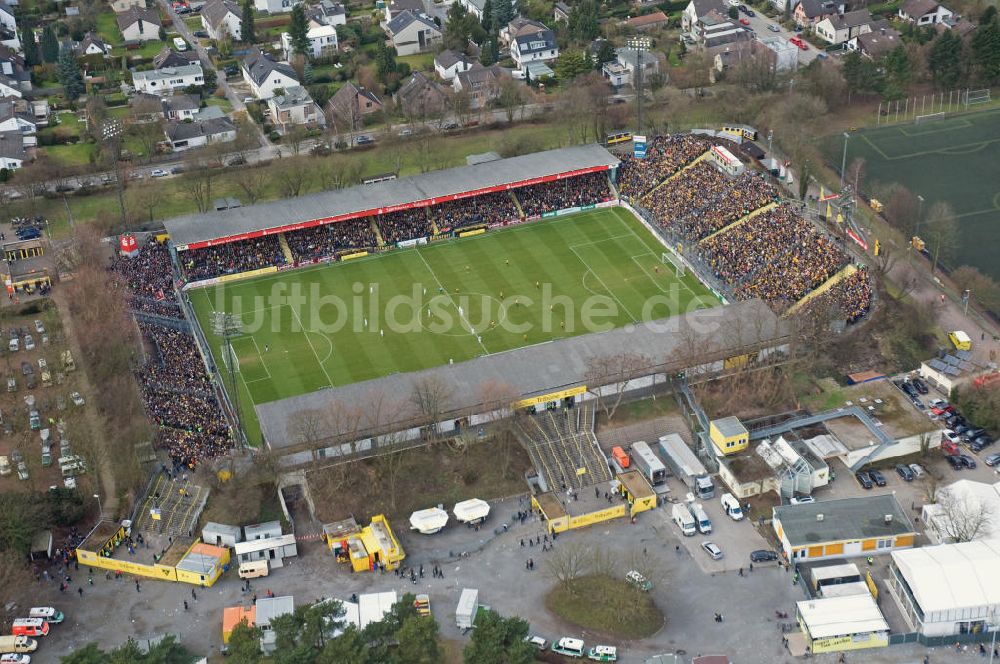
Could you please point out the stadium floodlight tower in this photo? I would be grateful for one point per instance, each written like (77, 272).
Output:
(640, 45)
(229, 326)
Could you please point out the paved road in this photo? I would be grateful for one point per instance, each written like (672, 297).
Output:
(760, 24)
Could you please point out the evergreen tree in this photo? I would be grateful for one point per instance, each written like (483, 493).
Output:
(503, 13)
(298, 30)
(385, 60)
(488, 18)
(945, 60)
(861, 74)
(460, 27)
(69, 75)
(499, 640)
(31, 56)
(897, 72)
(50, 45)
(486, 57)
(986, 49)
(583, 21)
(308, 75)
(248, 29)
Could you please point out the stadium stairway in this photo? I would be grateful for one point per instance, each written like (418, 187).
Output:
(285, 249)
(847, 271)
(739, 222)
(698, 159)
(377, 232)
(517, 204)
(614, 188)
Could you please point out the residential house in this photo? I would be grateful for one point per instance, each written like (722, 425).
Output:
(840, 28)
(726, 56)
(397, 7)
(10, 87)
(561, 12)
(923, 12)
(275, 6)
(200, 132)
(326, 12)
(481, 83)
(8, 27)
(180, 107)
(647, 22)
(714, 29)
(448, 63)
(221, 18)
(15, 115)
(92, 45)
(168, 57)
(120, 6)
(139, 24)
(295, 108)
(12, 152)
(351, 103)
(808, 13)
(165, 81)
(264, 75)
(420, 97)
(412, 32)
(322, 42)
(699, 8)
(622, 70)
(962, 27)
(15, 79)
(786, 54)
(875, 44)
(530, 41)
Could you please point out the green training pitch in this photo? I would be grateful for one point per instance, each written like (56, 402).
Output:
(449, 301)
(953, 160)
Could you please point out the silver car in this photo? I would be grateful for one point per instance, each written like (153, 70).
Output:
(712, 550)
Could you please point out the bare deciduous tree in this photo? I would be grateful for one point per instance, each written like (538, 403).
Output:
(252, 182)
(567, 563)
(615, 371)
(430, 396)
(962, 518)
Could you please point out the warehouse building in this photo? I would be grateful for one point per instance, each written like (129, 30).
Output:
(842, 528)
(837, 624)
(948, 589)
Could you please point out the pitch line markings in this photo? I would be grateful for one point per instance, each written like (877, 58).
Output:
(453, 303)
(610, 292)
(680, 280)
(312, 347)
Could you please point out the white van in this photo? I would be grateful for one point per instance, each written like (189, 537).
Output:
(180, 44)
(46, 613)
(681, 515)
(731, 506)
(701, 519)
(4, 466)
(568, 646)
(254, 569)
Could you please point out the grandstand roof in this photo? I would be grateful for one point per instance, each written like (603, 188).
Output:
(546, 367)
(217, 227)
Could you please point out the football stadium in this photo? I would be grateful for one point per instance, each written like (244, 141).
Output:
(518, 271)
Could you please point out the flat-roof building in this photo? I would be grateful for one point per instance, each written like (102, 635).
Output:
(842, 528)
(836, 624)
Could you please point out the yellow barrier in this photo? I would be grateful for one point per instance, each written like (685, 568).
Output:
(552, 396)
(357, 254)
(478, 231)
(248, 274)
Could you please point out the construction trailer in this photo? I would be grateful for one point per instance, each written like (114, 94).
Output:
(684, 463)
(649, 464)
(468, 605)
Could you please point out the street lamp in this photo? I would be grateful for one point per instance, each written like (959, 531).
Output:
(843, 161)
(229, 326)
(100, 510)
(965, 300)
(640, 45)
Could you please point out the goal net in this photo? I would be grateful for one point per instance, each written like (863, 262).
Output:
(977, 97)
(229, 354)
(930, 117)
(679, 268)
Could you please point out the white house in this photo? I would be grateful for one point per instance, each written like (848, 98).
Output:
(295, 107)
(12, 153)
(530, 41)
(322, 41)
(621, 71)
(475, 7)
(275, 6)
(138, 24)
(93, 45)
(840, 28)
(187, 135)
(221, 18)
(8, 27)
(412, 32)
(180, 107)
(786, 54)
(326, 12)
(699, 8)
(165, 81)
(875, 44)
(119, 6)
(14, 116)
(448, 64)
(264, 75)
(481, 83)
(397, 7)
(923, 12)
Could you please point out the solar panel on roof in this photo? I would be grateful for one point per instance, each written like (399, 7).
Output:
(963, 354)
(952, 371)
(937, 365)
(952, 360)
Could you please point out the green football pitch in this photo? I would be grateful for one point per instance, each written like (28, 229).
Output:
(954, 160)
(448, 301)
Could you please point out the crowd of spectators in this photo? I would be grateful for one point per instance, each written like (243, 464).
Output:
(321, 241)
(403, 225)
(850, 298)
(665, 155)
(755, 244)
(493, 208)
(178, 397)
(587, 189)
(232, 257)
(148, 276)
(801, 268)
(705, 200)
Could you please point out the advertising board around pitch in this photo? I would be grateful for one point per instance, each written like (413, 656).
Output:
(639, 146)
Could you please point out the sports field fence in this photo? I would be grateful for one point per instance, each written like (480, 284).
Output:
(925, 108)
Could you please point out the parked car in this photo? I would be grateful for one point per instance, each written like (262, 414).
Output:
(992, 459)
(27, 369)
(973, 433)
(537, 641)
(773, 28)
(15, 658)
(942, 410)
(981, 443)
(39, 327)
(637, 580)
(863, 480)
(920, 385)
(29, 342)
(801, 500)
(712, 550)
(917, 470)
(877, 477)
(364, 139)
(159, 173)
(76, 398)
(967, 461)
(904, 471)
(950, 436)
(954, 461)
(744, 21)
(762, 556)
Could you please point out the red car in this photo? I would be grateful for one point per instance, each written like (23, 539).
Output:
(941, 410)
(744, 21)
(798, 42)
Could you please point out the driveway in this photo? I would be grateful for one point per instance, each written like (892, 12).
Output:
(760, 23)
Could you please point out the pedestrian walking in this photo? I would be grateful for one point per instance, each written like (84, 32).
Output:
(80, 590)
(185, 605)
(751, 567)
(193, 596)
(526, 565)
(254, 598)
(137, 587)
(741, 571)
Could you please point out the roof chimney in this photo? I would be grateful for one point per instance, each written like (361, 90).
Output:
(819, 517)
(888, 519)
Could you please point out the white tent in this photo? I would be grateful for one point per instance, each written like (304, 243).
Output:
(428, 521)
(473, 510)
